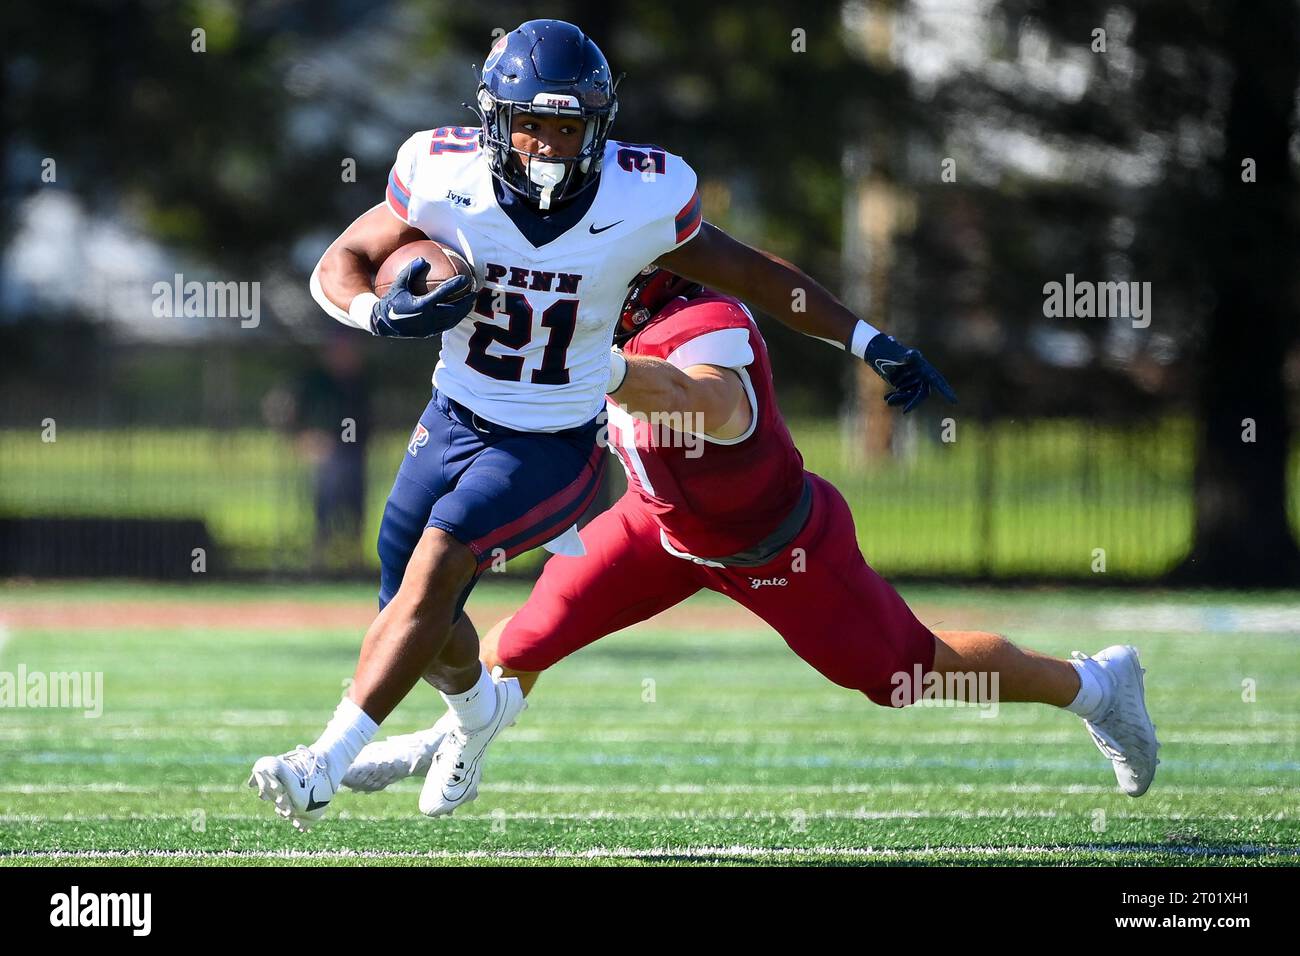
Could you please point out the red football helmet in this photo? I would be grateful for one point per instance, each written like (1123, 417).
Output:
(647, 294)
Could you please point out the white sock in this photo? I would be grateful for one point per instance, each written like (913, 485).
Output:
(348, 731)
(475, 707)
(1094, 691)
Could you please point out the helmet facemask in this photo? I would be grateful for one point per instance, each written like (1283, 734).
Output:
(544, 180)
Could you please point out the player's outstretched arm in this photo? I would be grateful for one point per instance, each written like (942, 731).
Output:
(711, 395)
(776, 286)
(786, 292)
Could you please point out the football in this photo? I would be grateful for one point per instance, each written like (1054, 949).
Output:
(444, 263)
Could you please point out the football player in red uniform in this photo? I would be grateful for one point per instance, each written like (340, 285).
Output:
(718, 498)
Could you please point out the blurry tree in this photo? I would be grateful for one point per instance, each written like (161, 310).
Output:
(191, 142)
(1108, 140)
(1119, 162)
(1247, 244)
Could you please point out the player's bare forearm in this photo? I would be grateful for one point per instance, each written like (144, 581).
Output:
(653, 385)
(777, 287)
(713, 394)
(348, 267)
(344, 275)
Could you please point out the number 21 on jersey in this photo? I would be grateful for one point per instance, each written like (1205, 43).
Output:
(560, 318)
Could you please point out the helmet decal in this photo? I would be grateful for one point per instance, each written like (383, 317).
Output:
(494, 55)
(648, 293)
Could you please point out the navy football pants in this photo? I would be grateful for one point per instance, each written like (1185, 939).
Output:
(498, 491)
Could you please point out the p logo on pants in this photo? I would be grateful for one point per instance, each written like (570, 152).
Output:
(419, 438)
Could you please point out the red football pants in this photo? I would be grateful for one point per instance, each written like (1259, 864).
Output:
(819, 594)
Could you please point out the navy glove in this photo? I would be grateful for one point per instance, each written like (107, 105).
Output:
(912, 377)
(404, 314)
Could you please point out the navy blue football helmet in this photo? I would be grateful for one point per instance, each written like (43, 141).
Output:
(546, 67)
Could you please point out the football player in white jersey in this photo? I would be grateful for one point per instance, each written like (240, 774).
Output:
(556, 219)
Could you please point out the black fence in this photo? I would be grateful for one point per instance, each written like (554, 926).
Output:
(1059, 499)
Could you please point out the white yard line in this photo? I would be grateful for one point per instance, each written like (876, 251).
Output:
(678, 815)
(1208, 619)
(951, 760)
(602, 738)
(693, 788)
(994, 736)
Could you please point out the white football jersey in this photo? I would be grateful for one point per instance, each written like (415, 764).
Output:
(533, 354)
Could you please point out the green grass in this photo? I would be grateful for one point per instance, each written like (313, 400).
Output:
(1028, 497)
(745, 755)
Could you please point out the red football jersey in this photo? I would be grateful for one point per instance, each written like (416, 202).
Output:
(711, 498)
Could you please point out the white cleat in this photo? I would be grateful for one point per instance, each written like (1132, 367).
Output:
(1124, 731)
(457, 764)
(297, 783)
(385, 762)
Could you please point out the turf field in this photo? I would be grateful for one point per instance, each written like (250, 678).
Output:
(697, 738)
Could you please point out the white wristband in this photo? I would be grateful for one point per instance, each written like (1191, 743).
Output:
(361, 309)
(863, 333)
(617, 372)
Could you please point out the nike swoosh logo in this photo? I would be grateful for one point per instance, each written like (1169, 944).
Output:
(312, 803)
(399, 315)
(592, 228)
(497, 719)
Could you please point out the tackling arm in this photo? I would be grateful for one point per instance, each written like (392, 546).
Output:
(710, 391)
